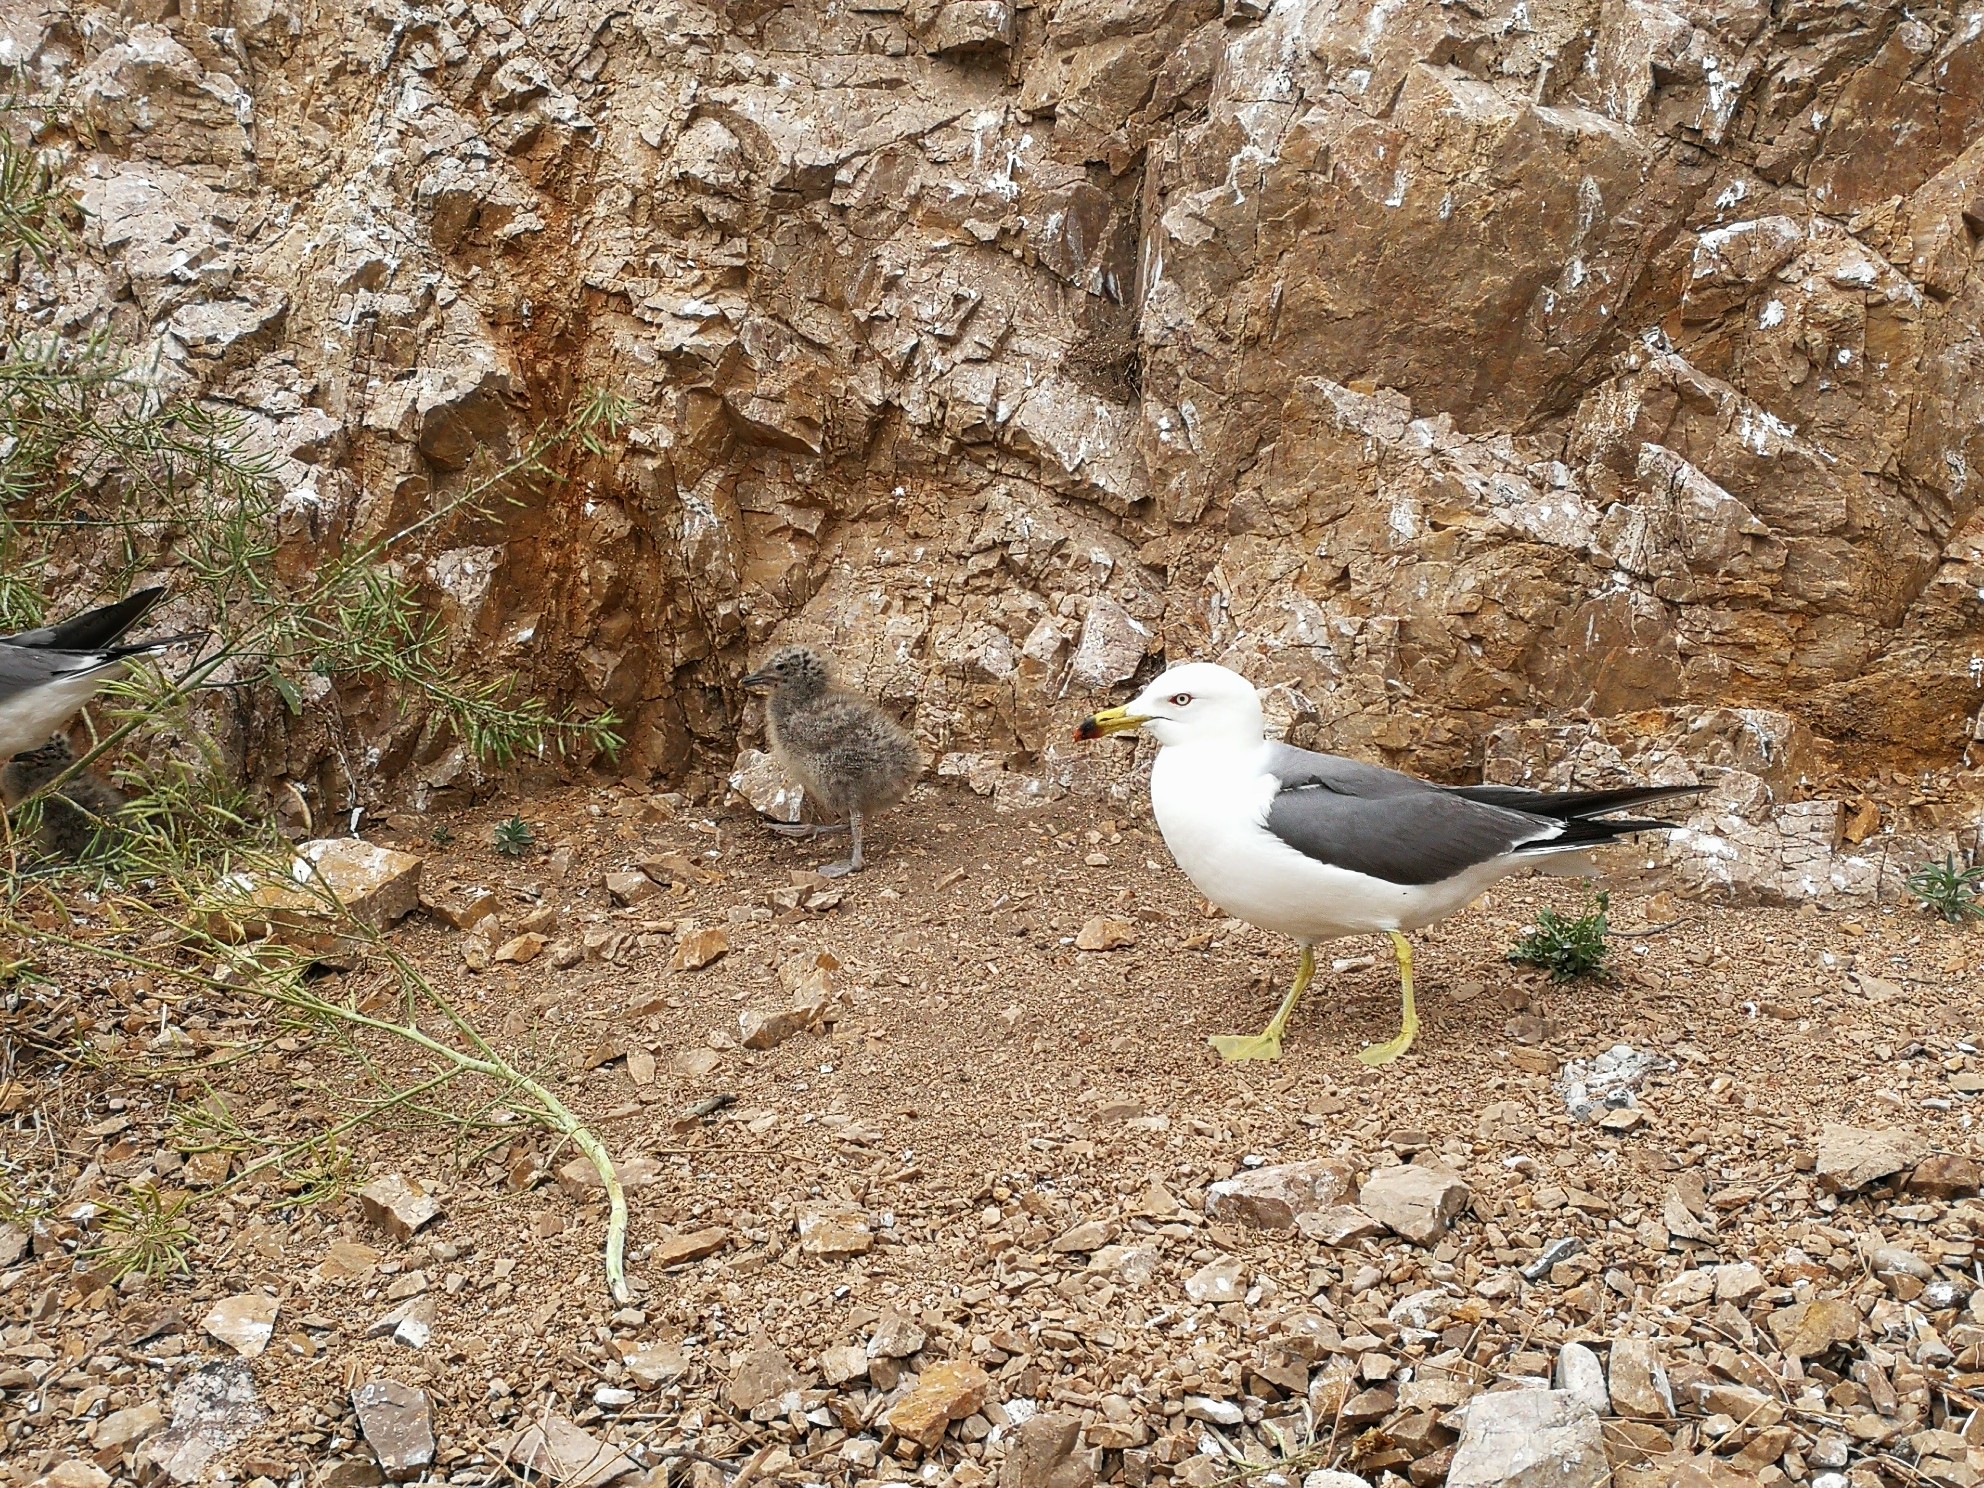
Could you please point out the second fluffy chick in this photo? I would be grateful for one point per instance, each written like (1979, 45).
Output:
(842, 748)
(76, 813)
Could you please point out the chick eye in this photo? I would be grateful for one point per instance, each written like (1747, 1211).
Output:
(1180, 699)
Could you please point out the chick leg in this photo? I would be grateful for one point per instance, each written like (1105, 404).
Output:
(1385, 1053)
(852, 862)
(805, 831)
(1267, 1044)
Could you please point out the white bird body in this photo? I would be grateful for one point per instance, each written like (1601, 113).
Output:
(1200, 793)
(34, 713)
(1317, 847)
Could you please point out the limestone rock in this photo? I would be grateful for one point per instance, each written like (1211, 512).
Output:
(457, 907)
(1530, 1439)
(830, 1230)
(1274, 1198)
(680, 1249)
(1637, 1381)
(762, 1377)
(1416, 1202)
(557, 1451)
(1807, 1328)
(758, 780)
(1105, 934)
(73, 1474)
(630, 887)
(127, 1428)
(581, 1179)
(1944, 1176)
(895, 1337)
(397, 1422)
(1851, 1157)
(1216, 1281)
(1580, 1375)
(212, 1409)
(656, 1364)
(1339, 1224)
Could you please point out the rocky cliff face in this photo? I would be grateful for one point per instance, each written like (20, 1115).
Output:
(1443, 365)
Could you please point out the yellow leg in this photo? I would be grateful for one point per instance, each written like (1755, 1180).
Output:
(1382, 1054)
(1268, 1044)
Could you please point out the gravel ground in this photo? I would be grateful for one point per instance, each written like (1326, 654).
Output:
(971, 1213)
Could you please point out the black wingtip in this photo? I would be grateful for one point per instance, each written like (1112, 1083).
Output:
(93, 630)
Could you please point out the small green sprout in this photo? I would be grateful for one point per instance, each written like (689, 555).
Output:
(1567, 948)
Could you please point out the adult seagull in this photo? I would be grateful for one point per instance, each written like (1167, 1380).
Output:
(47, 674)
(1318, 847)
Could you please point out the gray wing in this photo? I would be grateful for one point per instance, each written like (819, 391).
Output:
(1375, 821)
(24, 670)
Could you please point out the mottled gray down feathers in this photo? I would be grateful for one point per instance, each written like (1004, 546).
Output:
(850, 756)
(74, 814)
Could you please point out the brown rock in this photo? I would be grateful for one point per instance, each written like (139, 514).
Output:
(1944, 1176)
(1339, 1224)
(1105, 934)
(520, 950)
(834, 1231)
(1807, 1328)
(679, 1250)
(1043, 1455)
(1851, 1157)
(124, 1429)
(655, 1364)
(581, 1179)
(458, 908)
(1637, 1382)
(699, 948)
(631, 887)
(245, 1323)
(398, 1205)
(1273, 1198)
(944, 1393)
(557, 1451)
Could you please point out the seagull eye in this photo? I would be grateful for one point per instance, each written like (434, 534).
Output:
(1180, 699)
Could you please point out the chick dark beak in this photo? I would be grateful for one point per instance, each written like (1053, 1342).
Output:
(1109, 721)
(760, 682)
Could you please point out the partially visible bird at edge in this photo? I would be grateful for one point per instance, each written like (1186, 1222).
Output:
(46, 675)
(847, 754)
(1318, 847)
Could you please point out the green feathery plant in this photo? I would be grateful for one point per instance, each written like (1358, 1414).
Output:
(100, 455)
(1567, 948)
(94, 449)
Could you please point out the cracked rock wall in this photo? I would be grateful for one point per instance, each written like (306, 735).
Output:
(1442, 366)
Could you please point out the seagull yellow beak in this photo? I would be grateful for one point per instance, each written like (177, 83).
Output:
(1110, 721)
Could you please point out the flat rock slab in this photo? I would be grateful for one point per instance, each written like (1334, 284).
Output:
(558, 1451)
(1275, 1198)
(1416, 1202)
(245, 1323)
(1851, 1157)
(376, 885)
(212, 1410)
(398, 1423)
(1530, 1439)
(944, 1393)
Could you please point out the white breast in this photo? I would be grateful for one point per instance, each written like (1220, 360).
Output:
(29, 717)
(1211, 804)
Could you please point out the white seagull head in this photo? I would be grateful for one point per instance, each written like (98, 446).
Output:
(1197, 703)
